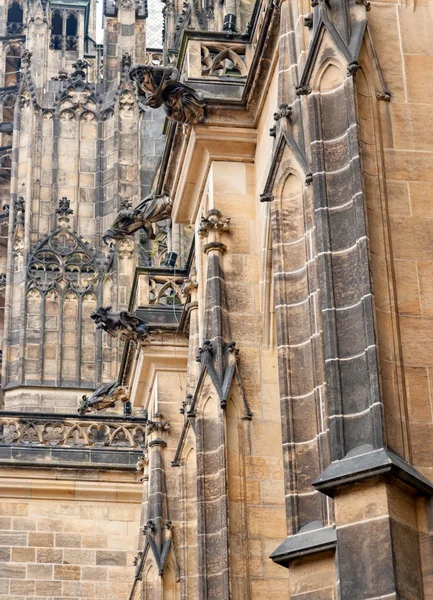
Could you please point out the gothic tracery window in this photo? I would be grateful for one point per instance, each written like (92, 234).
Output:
(15, 25)
(61, 257)
(71, 41)
(56, 42)
(12, 64)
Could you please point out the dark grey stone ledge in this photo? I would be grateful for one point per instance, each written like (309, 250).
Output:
(305, 542)
(82, 458)
(363, 465)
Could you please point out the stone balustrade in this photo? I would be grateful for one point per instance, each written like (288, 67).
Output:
(113, 441)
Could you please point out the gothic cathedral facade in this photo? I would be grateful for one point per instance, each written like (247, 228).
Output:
(216, 299)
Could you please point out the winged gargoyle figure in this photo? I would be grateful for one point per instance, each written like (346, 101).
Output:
(152, 209)
(104, 397)
(160, 86)
(119, 323)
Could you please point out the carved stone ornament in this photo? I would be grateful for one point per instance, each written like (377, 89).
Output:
(213, 221)
(160, 86)
(64, 210)
(63, 432)
(104, 397)
(190, 284)
(157, 425)
(63, 259)
(284, 111)
(120, 323)
(152, 209)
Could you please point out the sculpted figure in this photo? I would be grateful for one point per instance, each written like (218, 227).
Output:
(152, 209)
(104, 397)
(120, 322)
(160, 86)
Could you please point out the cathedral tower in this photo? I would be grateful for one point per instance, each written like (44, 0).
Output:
(74, 153)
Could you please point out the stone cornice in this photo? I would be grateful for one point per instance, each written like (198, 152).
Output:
(53, 489)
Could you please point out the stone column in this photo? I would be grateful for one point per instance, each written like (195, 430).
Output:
(210, 435)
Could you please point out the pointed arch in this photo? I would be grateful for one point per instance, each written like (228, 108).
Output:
(12, 67)
(71, 32)
(15, 18)
(15, 13)
(150, 579)
(56, 39)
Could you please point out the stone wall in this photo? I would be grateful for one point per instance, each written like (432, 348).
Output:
(67, 536)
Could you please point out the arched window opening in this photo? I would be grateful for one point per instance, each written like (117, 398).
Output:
(7, 120)
(56, 31)
(15, 25)
(5, 167)
(71, 32)
(71, 25)
(8, 109)
(12, 65)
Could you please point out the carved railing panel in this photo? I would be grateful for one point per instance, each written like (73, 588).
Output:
(65, 432)
(155, 288)
(220, 60)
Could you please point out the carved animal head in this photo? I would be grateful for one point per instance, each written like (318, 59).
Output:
(121, 393)
(101, 314)
(137, 71)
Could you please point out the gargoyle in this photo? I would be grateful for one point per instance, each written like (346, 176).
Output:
(104, 397)
(160, 86)
(152, 209)
(119, 322)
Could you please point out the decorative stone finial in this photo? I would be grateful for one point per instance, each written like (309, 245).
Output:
(64, 210)
(81, 68)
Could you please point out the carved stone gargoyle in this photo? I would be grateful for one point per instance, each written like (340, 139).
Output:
(120, 323)
(160, 86)
(152, 209)
(104, 397)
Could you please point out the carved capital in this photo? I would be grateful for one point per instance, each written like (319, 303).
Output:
(213, 222)
(158, 424)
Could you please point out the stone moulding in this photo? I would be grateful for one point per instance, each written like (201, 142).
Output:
(54, 431)
(371, 463)
(304, 543)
